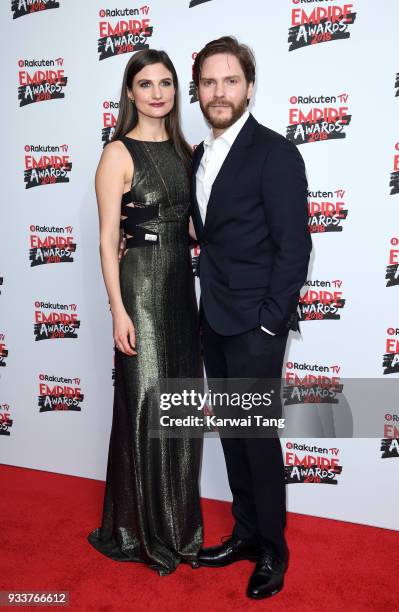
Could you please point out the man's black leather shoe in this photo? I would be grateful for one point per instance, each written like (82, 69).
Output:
(267, 578)
(230, 551)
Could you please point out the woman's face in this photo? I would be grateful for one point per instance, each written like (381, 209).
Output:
(153, 91)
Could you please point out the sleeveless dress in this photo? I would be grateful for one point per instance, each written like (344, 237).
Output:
(151, 511)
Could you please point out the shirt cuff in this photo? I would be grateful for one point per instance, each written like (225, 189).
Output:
(267, 331)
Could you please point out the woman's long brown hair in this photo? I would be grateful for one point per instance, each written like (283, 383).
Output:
(128, 116)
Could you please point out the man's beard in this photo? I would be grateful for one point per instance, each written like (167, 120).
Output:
(223, 123)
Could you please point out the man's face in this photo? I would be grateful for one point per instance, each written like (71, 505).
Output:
(223, 90)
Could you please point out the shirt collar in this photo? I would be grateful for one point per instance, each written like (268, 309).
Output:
(230, 134)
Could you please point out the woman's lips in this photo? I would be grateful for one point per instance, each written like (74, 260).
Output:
(157, 104)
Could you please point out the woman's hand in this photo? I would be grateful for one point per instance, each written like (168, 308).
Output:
(124, 333)
(121, 248)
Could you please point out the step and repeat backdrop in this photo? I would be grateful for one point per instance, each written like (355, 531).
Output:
(328, 79)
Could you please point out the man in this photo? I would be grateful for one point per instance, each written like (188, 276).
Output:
(249, 210)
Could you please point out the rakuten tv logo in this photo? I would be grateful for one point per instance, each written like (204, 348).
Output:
(325, 118)
(311, 464)
(322, 301)
(28, 7)
(124, 35)
(50, 244)
(392, 272)
(110, 116)
(327, 211)
(307, 388)
(390, 441)
(46, 169)
(5, 420)
(394, 182)
(59, 393)
(60, 321)
(3, 351)
(390, 360)
(318, 24)
(40, 85)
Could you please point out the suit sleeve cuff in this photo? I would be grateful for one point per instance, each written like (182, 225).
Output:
(267, 330)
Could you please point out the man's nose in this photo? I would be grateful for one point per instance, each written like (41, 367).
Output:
(219, 90)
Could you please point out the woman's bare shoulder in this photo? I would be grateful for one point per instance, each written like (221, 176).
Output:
(115, 155)
(115, 150)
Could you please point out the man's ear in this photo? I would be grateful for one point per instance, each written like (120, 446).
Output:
(250, 90)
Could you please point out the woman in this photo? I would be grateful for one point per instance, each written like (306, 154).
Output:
(151, 508)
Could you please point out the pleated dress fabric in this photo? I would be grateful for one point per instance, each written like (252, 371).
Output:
(151, 511)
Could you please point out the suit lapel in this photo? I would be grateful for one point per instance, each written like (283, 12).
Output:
(227, 173)
(230, 167)
(197, 219)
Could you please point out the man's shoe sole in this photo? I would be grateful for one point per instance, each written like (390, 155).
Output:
(260, 596)
(252, 558)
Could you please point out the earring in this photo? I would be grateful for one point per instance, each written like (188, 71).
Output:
(132, 101)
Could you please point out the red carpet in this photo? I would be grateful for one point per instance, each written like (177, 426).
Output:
(46, 517)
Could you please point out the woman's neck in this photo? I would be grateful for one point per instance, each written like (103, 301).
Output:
(150, 129)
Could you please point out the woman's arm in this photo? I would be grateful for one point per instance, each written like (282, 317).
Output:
(111, 177)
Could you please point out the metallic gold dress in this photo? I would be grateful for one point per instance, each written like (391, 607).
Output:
(151, 510)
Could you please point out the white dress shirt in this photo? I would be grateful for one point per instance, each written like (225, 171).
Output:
(215, 152)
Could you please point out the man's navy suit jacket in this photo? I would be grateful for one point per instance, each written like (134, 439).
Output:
(255, 244)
